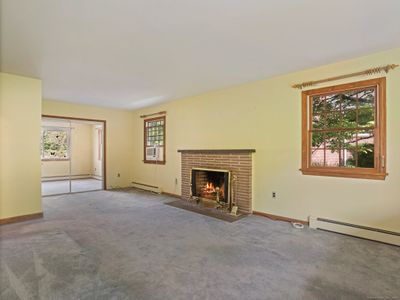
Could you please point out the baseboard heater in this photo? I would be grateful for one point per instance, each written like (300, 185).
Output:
(147, 187)
(381, 235)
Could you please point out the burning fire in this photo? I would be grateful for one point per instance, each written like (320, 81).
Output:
(210, 187)
(209, 190)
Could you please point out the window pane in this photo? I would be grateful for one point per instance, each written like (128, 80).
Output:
(318, 121)
(332, 158)
(318, 104)
(333, 102)
(349, 118)
(317, 150)
(349, 100)
(365, 149)
(55, 144)
(334, 144)
(317, 157)
(340, 148)
(366, 117)
(367, 98)
(333, 120)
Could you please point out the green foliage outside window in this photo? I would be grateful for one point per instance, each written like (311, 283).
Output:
(54, 144)
(345, 122)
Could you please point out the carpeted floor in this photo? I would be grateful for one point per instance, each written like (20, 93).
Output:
(129, 245)
(77, 185)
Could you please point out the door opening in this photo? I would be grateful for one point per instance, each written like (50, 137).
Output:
(72, 155)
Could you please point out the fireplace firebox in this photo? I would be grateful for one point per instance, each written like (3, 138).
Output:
(211, 184)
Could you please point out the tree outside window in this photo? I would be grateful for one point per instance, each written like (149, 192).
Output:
(344, 130)
(55, 144)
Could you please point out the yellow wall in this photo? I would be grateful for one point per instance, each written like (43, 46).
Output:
(119, 131)
(20, 108)
(266, 115)
(81, 152)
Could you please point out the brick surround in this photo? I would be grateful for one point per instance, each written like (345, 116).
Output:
(237, 161)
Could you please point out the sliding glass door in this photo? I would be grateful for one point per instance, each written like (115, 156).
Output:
(72, 156)
(55, 156)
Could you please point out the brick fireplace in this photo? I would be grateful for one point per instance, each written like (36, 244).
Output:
(236, 162)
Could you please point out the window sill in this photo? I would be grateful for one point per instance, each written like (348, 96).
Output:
(154, 162)
(334, 172)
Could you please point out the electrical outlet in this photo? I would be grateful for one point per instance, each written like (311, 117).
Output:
(273, 195)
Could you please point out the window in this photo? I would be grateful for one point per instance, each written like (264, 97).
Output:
(154, 140)
(344, 130)
(55, 144)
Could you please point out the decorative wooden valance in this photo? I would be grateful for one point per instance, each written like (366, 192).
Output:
(370, 71)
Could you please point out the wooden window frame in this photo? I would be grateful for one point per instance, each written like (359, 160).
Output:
(158, 162)
(379, 170)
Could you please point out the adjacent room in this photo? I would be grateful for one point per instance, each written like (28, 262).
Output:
(72, 156)
(199, 149)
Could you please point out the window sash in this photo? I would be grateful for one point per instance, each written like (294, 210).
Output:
(154, 136)
(379, 131)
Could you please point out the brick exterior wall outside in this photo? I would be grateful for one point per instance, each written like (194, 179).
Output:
(239, 163)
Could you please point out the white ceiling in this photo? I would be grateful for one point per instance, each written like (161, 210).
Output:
(136, 53)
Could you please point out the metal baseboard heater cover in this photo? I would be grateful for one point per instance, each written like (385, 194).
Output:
(147, 187)
(381, 235)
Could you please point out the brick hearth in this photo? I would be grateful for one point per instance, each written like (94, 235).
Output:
(237, 161)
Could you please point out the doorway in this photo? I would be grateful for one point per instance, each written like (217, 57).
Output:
(72, 155)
